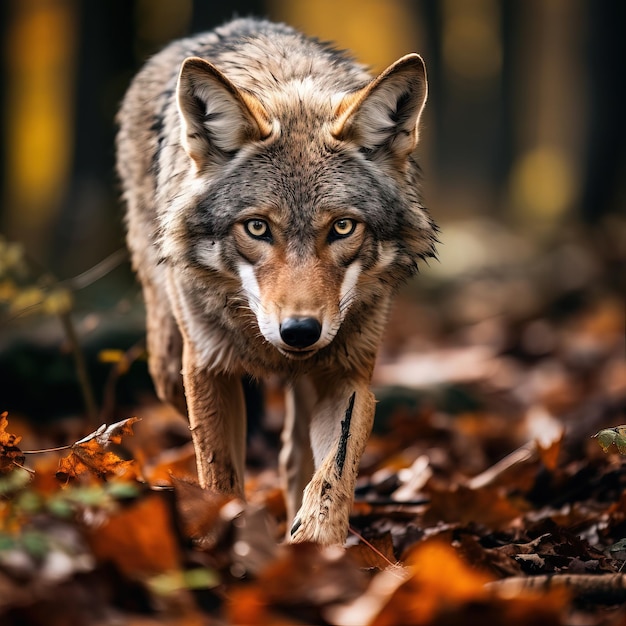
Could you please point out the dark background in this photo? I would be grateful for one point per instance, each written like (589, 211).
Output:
(522, 150)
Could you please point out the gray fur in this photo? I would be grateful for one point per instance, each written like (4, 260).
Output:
(286, 124)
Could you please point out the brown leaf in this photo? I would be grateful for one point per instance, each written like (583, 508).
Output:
(435, 583)
(550, 453)
(304, 576)
(309, 574)
(376, 553)
(487, 505)
(172, 463)
(90, 454)
(199, 511)
(247, 605)
(113, 433)
(444, 589)
(140, 539)
(10, 455)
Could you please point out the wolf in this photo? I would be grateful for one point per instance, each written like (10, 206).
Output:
(273, 210)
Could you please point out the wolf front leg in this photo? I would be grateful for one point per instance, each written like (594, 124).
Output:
(296, 457)
(340, 427)
(216, 410)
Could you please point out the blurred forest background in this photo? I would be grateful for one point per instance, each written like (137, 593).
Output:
(522, 151)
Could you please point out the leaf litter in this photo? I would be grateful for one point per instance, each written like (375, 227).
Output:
(493, 490)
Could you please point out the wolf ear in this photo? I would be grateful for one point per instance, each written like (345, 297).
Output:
(217, 119)
(383, 117)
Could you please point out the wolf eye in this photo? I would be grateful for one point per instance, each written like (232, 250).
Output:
(343, 228)
(258, 229)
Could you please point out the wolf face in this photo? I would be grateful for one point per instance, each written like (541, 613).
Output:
(273, 210)
(306, 205)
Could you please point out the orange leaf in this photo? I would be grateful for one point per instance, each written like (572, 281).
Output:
(443, 589)
(549, 453)
(247, 605)
(303, 576)
(439, 582)
(139, 539)
(90, 454)
(10, 455)
(170, 464)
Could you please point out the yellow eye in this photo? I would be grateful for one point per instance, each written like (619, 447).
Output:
(344, 227)
(258, 229)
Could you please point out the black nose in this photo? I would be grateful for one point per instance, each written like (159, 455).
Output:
(300, 332)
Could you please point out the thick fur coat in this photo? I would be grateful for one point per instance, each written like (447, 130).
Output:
(273, 208)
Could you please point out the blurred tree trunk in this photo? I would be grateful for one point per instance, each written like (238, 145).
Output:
(39, 57)
(605, 159)
(89, 225)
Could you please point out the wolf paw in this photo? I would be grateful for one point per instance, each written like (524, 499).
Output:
(310, 529)
(322, 519)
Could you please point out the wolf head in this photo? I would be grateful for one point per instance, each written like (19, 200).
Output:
(305, 193)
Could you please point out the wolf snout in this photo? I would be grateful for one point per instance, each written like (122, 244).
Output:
(300, 332)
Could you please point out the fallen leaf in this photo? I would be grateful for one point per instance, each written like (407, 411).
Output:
(435, 581)
(140, 538)
(199, 511)
(248, 607)
(487, 505)
(609, 436)
(376, 552)
(172, 463)
(106, 435)
(443, 589)
(549, 453)
(90, 454)
(302, 581)
(10, 455)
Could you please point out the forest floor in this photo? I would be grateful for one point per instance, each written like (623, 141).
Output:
(483, 495)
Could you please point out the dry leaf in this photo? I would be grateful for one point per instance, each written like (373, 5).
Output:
(377, 553)
(199, 511)
(303, 576)
(91, 455)
(172, 463)
(140, 539)
(443, 589)
(10, 455)
(487, 505)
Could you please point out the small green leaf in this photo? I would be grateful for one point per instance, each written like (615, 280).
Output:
(618, 549)
(94, 495)
(7, 542)
(60, 507)
(201, 578)
(609, 436)
(121, 490)
(35, 543)
(14, 482)
(605, 438)
(620, 439)
(170, 582)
